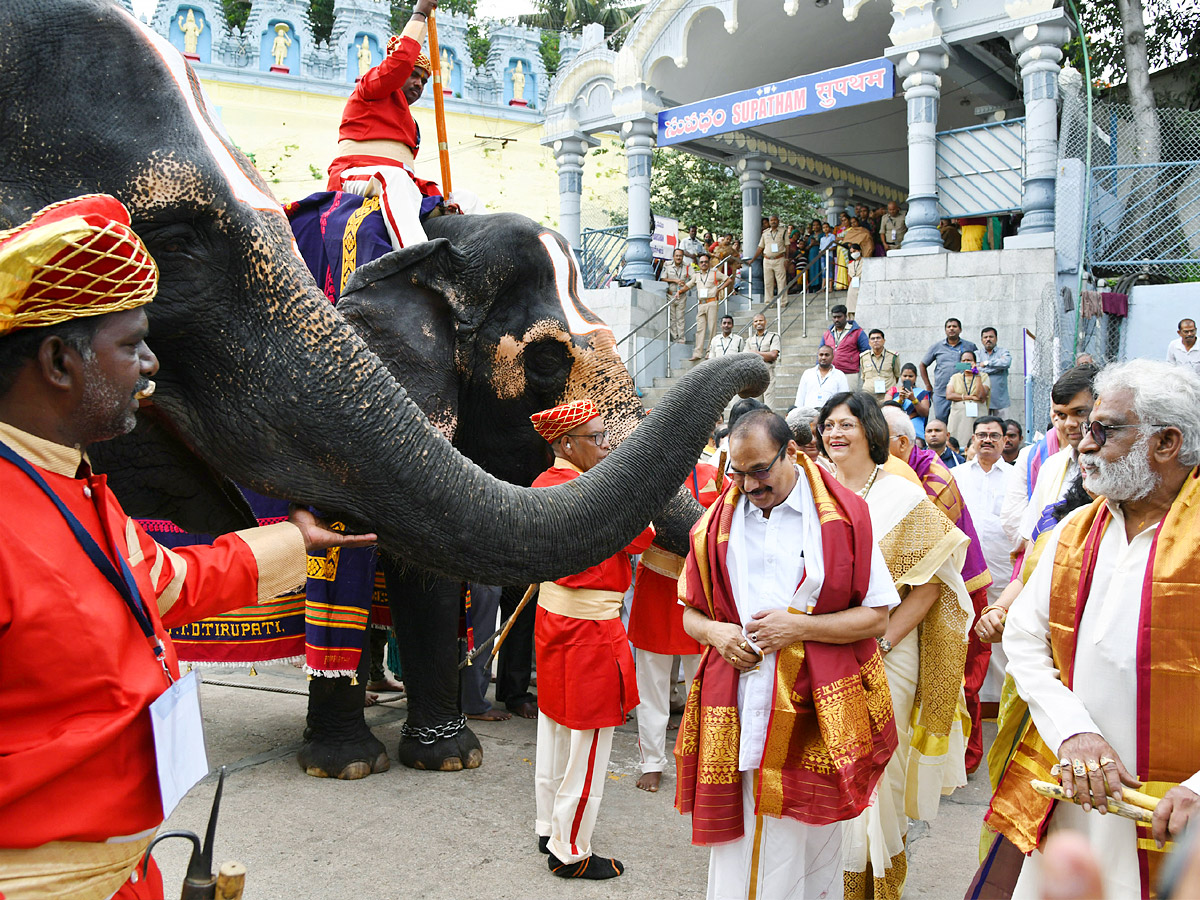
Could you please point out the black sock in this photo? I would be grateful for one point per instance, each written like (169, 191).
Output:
(544, 843)
(591, 867)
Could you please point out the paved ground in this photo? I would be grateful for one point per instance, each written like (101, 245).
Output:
(408, 834)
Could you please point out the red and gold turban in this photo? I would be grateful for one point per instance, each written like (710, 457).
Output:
(552, 424)
(74, 258)
(422, 60)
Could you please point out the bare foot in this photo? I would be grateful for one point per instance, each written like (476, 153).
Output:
(527, 710)
(672, 725)
(492, 715)
(387, 685)
(650, 781)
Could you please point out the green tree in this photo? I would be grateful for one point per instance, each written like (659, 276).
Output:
(572, 15)
(402, 11)
(236, 13)
(320, 19)
(479, 44)
(550, 53)
(706, 194)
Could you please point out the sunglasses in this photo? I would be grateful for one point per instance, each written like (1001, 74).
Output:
(757, 474)
(1099, 431)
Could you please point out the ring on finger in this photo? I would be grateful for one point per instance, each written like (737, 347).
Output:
(1107, 761)
(1093, 766)
(742, 645)
(1055, 769)
(1078, 767)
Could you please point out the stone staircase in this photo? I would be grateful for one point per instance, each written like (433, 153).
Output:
(798, 353)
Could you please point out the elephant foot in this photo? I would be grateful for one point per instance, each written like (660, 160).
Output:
(347, 760)
(446, 748)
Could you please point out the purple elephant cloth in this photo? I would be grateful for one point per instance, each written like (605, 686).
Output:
(329, 226)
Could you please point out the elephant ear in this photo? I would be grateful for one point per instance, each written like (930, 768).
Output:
(435, 265)
(156, 476)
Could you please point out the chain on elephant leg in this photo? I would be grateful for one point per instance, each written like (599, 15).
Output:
(337, 741)
(448, 747)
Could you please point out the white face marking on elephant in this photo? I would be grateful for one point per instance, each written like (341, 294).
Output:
(580, 320)
(242, 186)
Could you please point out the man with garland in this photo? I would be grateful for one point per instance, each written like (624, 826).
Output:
(587, 686)
(79, 579)
(789, 721)
(1102, 642)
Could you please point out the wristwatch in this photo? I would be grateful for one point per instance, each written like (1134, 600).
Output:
(885, 646)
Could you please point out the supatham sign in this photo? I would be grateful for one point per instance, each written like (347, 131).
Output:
(805, 95)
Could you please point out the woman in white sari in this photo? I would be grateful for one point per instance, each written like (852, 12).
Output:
(924, 649)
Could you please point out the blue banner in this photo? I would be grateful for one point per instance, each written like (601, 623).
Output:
(860, 82)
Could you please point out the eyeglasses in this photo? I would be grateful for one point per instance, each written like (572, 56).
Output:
(598, 438)
(757, 474)
(830, 427)
(1099, 431)
(992, 436)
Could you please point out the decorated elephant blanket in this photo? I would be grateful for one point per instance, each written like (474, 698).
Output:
(336, 232)
(323, 626)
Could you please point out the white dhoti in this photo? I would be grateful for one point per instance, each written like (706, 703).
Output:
(569, 773)
(654, 710)
(779, 859)
(399, 200)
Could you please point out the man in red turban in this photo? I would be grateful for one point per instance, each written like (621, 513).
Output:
(586, 683)
(80, 793)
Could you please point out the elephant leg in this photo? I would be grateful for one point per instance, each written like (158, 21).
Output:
(337, 741)
(425, 613)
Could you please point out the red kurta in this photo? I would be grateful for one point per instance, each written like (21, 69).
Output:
(378, 109)
(656, 616)
(76, 673)
(585, 668)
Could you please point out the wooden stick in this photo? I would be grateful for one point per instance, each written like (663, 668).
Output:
(439, 107)
(231, 880)
(1118, 807)
(503, 633)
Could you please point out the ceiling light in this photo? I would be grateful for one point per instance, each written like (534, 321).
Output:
(820, 4)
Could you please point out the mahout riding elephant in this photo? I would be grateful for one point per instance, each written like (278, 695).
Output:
(484, 326)
(262, 381)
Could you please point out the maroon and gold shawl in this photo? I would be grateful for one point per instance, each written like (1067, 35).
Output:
(831, 730)
(1167, 641)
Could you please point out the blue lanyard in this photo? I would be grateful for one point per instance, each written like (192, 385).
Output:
(695, 483)
(124, 583)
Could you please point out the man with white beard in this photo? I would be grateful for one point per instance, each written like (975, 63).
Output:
(1102, 642)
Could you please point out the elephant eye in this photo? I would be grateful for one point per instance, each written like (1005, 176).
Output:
(545, 358)
(174, 238)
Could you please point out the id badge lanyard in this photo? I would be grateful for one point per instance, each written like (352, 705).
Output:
(123, 582)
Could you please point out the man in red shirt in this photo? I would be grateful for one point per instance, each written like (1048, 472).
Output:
(79, 781)
(586, 683)
(656, 631)
(378, 139)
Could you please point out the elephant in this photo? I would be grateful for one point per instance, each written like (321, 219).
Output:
(476, 325)
(262, 381)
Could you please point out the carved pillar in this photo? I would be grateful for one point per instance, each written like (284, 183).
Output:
(921, 71)
(639, 137)
(751, 170)
(1039, 54)
(570, 153)
(837, 197)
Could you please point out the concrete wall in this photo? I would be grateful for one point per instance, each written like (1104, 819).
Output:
(1154, 314)
(911, 297)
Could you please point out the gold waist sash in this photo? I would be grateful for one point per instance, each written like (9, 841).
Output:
(69, 870)
(656, 559)
(579, 603)
(397, 150)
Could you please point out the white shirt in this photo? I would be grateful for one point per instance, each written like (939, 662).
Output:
(1053, 480)
(1017, 498)
(984, 493)
(817, 387)
(724, 346)
(1104, 697)
(776, 563)
(1181, 356)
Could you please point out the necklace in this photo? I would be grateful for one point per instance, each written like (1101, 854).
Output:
(870, 481)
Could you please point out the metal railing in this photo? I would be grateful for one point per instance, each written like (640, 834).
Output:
(980, 169)
(600, 254)
(1145, 217)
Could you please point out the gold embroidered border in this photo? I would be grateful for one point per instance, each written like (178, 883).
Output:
(719, 745)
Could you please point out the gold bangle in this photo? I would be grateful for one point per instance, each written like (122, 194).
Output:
(989, 608)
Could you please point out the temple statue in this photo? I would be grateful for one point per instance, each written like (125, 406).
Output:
(447, 68)
(518, 80)
(279, 49)
(364, 57)
(191, 32)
